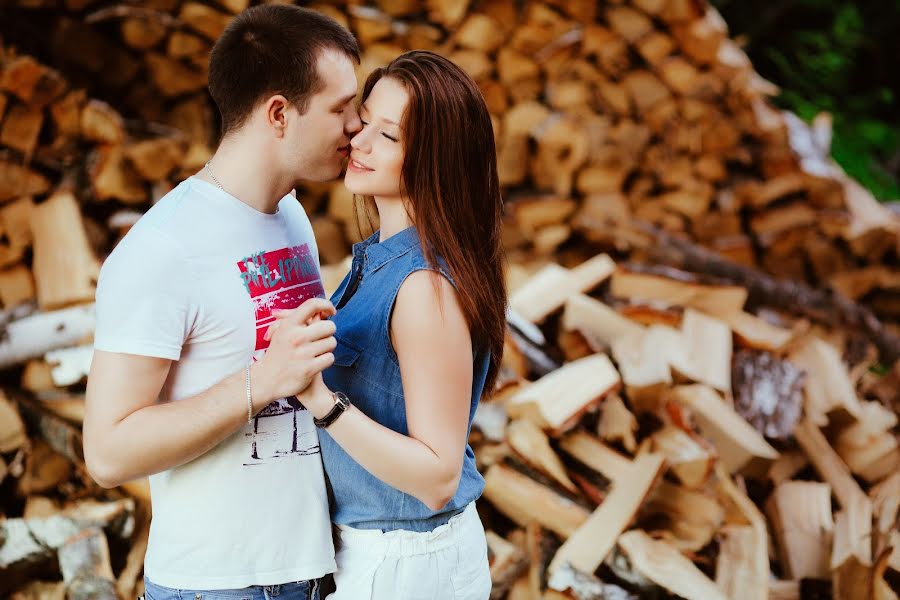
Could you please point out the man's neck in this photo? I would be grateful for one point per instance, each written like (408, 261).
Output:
(244, 171)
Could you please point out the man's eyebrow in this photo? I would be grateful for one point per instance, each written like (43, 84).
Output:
(345, 100)
(388, 121)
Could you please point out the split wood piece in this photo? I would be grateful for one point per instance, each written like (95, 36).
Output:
(45, 469)
(756, 333)
(800, 513)
(558, 400)
(829, 391)
(69, 366)
(689, 459)
(692, 517)
(617, 423)
(16, 287)
(127, 582)
(85, 566)
(588, 547)
(23, 555)
(62, 436)
(828, 464)
(857, 283)
(886, 506)
(799, 298)
(12, 428)
(540, 546)
(524, 501)
(741, 447)
(784, 590)
(644, 361)
(113, 177)
(143, 33)
(531, 443)
(642, 287)
(631, 24)
(15, 230)
(155, 159)
(33, 336)
(563, 147)
(708, 343)
(568, 582)
(768, 392)
(172, 77)
(447, 12)
(599, 323)
(869, 447)
(786, 466)
(101, 123)
(21, 127)
(204, 19)
(17, 180)
(666, 567)
(591, 452)
(851, 556)
(31, 82)
(65, 268)
(507, 563)
(535, 212)
(734, 571)
(70, 408)
(753, 565)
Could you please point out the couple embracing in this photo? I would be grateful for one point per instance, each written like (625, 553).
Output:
(263, 412)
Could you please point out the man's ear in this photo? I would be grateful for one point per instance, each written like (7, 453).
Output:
(276, 113)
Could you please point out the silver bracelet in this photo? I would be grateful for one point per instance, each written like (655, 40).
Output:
(249, 399)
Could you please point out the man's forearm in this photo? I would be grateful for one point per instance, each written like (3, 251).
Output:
(162, 436)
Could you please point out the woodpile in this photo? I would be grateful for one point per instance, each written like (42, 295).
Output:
(702, 378)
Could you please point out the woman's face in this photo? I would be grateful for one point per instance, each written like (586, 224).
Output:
(376, 156)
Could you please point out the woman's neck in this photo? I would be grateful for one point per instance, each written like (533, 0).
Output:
(392, 216)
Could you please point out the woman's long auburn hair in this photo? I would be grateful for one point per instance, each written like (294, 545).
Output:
(449, 177)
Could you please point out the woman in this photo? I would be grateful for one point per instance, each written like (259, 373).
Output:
(420, 325)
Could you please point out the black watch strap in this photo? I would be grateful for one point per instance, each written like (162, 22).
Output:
(341, 404)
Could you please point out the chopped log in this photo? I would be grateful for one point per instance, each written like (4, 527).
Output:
(735, 571)
(851, 558)
(65, 268)
(60, 435)
(645, 90)
(755, 572)
(599, 323)
(668, 568)
(85, 566)
(155, 159)
(631, 24)
(172, 77)
(15, 230)
(21, 127)
(690, 460)
(617, 423)
(16, 287)
(596, 455)
(507, 563)
(532, 444)
(714, 300)
(45, 469)
(12, 429)
(557, 401)
(524, 501)
(582, 585)
(589, 545)
(17, 181)
(753, 332)
(33, 336)
(692, 516)
(113, 177)
(800, 512)
(101, 123)
(143, 33)
(739, 445)
(868, 446)
(548, 290)
(829, 391)
(886, 507)
(786, 466)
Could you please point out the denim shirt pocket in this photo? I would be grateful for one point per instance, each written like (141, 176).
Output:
(345, 353)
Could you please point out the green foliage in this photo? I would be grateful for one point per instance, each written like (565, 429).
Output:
(838, 56)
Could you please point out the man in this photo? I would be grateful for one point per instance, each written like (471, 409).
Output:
(189, 384)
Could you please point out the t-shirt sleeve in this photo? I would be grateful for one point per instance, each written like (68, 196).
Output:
(143, 297)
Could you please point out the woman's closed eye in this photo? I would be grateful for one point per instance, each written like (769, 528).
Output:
(366, 123)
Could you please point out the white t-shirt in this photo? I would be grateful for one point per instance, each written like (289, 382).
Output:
(194, 281)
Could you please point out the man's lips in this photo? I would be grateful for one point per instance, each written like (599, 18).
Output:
(344, 151)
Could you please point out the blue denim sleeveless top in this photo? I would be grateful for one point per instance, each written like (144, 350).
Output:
(366, 369)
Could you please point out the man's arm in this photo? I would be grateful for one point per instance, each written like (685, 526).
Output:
(128, 435)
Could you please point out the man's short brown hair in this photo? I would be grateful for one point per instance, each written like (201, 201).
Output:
(272, 49)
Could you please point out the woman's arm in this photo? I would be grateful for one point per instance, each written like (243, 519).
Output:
(434, 349)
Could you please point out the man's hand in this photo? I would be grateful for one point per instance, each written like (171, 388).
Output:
(300, 348)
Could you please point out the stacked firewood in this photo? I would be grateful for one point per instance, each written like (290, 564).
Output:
(712, 428)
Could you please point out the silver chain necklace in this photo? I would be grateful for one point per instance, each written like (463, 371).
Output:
(213, 175)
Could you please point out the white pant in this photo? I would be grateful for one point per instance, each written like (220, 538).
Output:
(449, 563)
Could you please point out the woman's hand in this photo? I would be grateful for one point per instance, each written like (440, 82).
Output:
(317, 398)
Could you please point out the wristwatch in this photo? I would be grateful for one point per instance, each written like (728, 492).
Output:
(341, 404)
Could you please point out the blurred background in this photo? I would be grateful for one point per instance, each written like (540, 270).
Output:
(702, 374)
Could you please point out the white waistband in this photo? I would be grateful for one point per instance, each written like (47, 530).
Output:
(401, 542)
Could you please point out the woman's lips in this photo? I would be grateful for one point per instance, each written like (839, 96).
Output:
(357, 167)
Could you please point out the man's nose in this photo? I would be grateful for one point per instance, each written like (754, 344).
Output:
(353, 124)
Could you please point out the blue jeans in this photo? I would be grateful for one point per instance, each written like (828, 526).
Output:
(300, 590)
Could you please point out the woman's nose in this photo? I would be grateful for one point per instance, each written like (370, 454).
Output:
(360, 141)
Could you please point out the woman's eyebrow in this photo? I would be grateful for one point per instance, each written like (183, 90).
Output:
(363, 107)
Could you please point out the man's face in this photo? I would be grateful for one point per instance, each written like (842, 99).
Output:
(319, 142)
